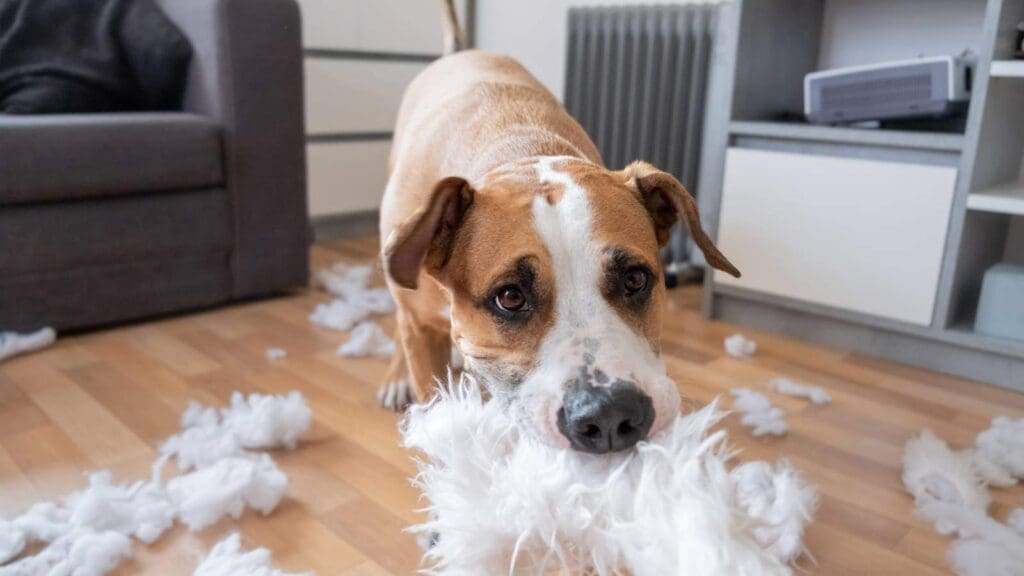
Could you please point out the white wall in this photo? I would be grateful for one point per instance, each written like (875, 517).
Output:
(901, 30)
(534, 32)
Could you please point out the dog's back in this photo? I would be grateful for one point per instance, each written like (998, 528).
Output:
(466, 114)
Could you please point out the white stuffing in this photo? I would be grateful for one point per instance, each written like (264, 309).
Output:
(759, 413)
(934, 473)
(91, 531)
(999, 452)
(266, 422)
(368, 339)
(226, 488)
(256, 421)
(815, 394)
(982, 557)
(1015, 520)
(202, 440)
(141, 510)
(338, 314)
(77, 552)
(501, 502)
(984, 547)
(12, 541)
(276, 353)
(950, 490)
(355, 300)
(43, 522)
(343, 280)
(13, 343)
(739, 346)
(227, 558)
(782, 503)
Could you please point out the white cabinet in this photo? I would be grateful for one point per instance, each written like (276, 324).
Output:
(346, 177)
(861, 235)
(410, 26)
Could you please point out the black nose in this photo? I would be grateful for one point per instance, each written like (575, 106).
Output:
(605, 419)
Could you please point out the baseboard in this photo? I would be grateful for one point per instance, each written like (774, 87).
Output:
(348, 225)
(982, 365)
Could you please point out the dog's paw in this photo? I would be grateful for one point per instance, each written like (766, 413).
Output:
(396, 396)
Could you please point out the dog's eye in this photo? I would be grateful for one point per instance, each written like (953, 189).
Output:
(510, 299)
(635, 280)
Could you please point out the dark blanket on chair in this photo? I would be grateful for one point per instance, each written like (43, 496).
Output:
(67, 56)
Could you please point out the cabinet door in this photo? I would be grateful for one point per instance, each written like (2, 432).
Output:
(344, 96)
(346, 177)
(861, 235)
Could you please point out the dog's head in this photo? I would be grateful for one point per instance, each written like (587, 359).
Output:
(557, 291)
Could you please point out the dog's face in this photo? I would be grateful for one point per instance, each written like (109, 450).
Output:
(557, 292)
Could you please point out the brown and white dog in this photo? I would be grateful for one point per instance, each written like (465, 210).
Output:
(505, 233)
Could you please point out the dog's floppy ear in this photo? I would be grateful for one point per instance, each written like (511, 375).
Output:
(426, 237)
(666, 200)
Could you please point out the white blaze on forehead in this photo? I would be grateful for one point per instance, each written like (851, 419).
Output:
(565, 228)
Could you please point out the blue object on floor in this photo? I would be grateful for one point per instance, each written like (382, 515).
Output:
(1001, 307)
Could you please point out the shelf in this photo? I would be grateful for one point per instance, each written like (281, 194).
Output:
(1007, 69)
(939, 141)
(964, 334)
(1005, 199)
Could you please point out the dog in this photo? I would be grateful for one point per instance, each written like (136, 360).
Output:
(506, 234)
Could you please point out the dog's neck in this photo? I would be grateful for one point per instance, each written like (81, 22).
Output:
(519, 143)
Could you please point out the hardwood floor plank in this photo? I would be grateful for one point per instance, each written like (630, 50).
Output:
(361, 522)
(103, 438)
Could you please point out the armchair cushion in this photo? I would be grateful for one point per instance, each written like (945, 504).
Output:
(65, 157)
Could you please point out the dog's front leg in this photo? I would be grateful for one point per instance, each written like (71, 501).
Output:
(396, 392)
(428, 348)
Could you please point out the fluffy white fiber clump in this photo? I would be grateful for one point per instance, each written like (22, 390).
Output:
(739, 346)
(354, 299)
(502, 502)
(816, 394)
(999, 452)
(91, 531)
(781, 503)
(950, 490)
(933, 473)
(368, 339)
(758, 413)
(13, 343)
(256, 421)
(227, 488)
(228, 558)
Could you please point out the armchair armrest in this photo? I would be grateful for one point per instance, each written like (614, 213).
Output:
(246, 74)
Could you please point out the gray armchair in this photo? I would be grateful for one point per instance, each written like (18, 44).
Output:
(113, 217)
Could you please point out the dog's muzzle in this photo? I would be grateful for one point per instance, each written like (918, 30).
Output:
(602, 419)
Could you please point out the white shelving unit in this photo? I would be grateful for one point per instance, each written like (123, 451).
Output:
(764, 50)
(1003, 199)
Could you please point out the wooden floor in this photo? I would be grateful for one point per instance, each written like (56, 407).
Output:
(106, 399)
